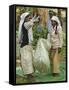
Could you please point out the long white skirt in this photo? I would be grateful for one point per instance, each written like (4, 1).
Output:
(26, 59)
(41, 56)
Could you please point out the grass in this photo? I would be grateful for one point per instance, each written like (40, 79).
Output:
(20, 78)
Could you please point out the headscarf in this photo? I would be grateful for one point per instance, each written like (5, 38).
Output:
(55, 18)
(22, 17)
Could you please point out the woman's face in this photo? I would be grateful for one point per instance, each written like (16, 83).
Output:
(53, 22)
(28, 18)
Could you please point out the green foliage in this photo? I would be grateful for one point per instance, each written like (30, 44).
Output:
(37, 34)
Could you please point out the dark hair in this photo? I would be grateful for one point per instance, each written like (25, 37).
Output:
(56, 32)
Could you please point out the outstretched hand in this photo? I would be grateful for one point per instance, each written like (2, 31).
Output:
(35, 19)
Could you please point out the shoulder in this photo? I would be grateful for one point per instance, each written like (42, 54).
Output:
(59, 28)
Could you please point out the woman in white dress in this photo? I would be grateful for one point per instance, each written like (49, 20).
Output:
(25, 40)
(56, 39)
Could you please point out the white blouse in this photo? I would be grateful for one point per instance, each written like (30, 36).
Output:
(56, 40)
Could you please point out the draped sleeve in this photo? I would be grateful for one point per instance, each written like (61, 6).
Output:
(60, 34)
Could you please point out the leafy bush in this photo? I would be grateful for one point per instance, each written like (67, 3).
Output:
(39, 34)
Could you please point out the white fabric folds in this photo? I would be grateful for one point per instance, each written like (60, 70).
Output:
(41, 56)
(26, 59)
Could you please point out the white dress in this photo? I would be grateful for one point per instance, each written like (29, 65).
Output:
(26, 51)
(26, 59)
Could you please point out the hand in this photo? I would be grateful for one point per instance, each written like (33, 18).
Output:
(36, 19)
